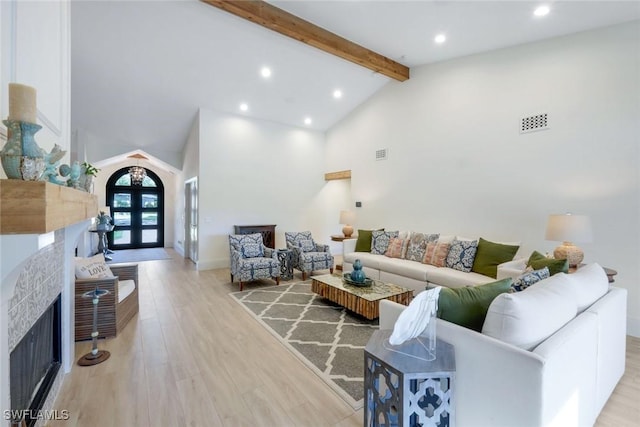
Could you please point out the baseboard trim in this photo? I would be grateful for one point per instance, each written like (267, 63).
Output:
(180, 250)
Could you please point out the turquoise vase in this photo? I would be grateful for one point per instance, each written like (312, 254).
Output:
(21, 156)
(357, 275)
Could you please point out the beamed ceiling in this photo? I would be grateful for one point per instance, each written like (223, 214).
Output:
(142, 69)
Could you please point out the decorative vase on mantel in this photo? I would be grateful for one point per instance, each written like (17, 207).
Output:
(21, 157)
(86, 182)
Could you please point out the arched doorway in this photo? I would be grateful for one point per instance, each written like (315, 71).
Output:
(137, 211)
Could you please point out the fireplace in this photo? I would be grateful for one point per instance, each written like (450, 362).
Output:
(36, 295)
(36, 268)
(34, 365)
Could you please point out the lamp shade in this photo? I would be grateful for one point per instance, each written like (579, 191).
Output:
(569, 228)
(347, 217)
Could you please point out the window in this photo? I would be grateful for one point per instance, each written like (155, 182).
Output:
(137, 210)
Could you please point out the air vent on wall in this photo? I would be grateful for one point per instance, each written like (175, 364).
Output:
(382, 154)
(534, 123)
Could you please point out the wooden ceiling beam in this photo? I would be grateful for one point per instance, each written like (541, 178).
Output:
(330, 176)
(283, 22)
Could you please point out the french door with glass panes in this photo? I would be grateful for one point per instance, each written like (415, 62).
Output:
(137, 211)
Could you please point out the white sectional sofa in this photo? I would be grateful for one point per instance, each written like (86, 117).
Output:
(416, 275)
(550, 355)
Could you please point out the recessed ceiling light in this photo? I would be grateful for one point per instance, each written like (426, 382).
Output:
(541, 11)
(337, 94)
(307, 120)
(244, 107)
(440, 38)
(265, 72)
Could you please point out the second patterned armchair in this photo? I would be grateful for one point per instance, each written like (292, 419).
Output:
(251, 259)
(308, 255)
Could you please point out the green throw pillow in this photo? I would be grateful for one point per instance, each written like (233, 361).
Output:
(363, 244)
(468, 306)
(490, 254)
(538, 261)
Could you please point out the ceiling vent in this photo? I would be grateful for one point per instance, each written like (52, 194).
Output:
(534, 123)
(382, 154)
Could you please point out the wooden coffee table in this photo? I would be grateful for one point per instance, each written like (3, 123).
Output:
(362, 300)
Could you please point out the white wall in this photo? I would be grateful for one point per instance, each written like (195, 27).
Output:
(190, 170)
(458, 164)
(257, 172)
(93, 147)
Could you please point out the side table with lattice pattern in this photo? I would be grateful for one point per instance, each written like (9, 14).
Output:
(402, 389)
(285, 256)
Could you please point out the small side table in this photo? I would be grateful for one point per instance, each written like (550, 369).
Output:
(103, 244)
(285, 256)
(340, 238)
(406, 391)
(608, 271)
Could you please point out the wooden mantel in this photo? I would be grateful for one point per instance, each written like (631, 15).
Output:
(38, 207)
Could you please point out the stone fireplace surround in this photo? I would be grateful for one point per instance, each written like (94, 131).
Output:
(34, 270)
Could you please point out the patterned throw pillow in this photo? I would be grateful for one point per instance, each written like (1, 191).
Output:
(461, 255)
(307, 245)
(92, 268)
(396, 247)
(380, 241)
(251, 250)
(417, 245)
(523, 282)
(436, 253)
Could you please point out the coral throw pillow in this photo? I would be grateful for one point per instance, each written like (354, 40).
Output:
(395, 248)
(436, 253)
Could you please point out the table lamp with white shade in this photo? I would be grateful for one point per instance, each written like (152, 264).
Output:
(347, 218)
(569, 228)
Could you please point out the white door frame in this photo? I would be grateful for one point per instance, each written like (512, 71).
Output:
(191, 219)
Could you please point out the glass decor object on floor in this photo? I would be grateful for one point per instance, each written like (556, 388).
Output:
(95, 356)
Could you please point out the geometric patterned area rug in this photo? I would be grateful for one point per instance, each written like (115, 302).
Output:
(326, 337)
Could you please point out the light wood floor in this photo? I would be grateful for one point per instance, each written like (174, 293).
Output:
(194, 357)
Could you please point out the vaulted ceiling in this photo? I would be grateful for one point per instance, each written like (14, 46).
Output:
(141, 69)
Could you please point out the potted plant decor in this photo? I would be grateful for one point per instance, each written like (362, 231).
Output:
(88, 173)
(104, 221)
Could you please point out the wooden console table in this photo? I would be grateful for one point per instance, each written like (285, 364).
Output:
(268, 233)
